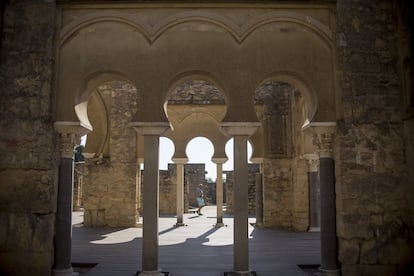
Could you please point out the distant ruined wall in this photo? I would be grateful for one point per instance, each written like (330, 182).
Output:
(168, 190)
(28, 142)
(375, 216)
(251, 182)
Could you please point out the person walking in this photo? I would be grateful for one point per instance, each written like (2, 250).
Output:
(200, 199)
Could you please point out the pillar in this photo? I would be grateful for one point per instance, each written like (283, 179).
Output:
(314, 193)
(180, 189)
(69, 134)
(240, 132)
(151, 133)
(219, 190)
(323, 136)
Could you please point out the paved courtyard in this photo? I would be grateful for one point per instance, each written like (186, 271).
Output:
(196, 249)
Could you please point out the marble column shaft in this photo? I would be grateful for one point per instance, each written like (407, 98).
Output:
(180, 190)
(329, 246)
(240, 202)
(150, 205)
(69, 137)
(323, 137)
(219, 191)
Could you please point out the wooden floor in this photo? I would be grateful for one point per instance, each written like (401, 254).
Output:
(196, 249)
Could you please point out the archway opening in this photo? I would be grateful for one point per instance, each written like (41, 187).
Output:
(109, 170)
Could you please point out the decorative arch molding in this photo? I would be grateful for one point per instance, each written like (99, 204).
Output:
(239, 33)
(306, 21)
(311, 99)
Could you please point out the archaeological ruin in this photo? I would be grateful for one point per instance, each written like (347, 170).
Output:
(320, 89)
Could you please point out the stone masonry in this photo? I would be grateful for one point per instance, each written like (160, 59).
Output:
(28, 142)
(110, 186)
(375, 215)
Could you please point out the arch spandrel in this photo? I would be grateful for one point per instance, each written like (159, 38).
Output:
(153, 55)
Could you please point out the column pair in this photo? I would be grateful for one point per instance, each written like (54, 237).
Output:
(69, 136)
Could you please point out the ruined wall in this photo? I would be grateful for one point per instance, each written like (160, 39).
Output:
(110, 188)
(375, 215)
(30, 157)
(251, 182)
(168, 190)
(285, 189)
(194, 175)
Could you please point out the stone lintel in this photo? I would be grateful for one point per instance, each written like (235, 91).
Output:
(150, 128)
(219, 160)
(180, 160)
(239, 128)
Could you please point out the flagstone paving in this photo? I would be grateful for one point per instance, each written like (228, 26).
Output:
(195, 249)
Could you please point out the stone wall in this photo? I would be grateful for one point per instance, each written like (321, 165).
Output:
(28, 142)
(194, 174)
(229, 184)
(168, 190)
(375, 215)
(110, 188)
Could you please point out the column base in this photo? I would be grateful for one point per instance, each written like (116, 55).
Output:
(151, 273)
(330, 272)
(219, 224)
(240, 273)
(64, 272)
(179, 224)
(314, 229)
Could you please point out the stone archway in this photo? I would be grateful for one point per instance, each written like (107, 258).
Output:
(110, 171)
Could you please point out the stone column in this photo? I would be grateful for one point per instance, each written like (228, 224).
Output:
(180, 189)
(151, 133)
(70, 133)
(240, 133)
(323, 136)
(314, 193)
(219, 190)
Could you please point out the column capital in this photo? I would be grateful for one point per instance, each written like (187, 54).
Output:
(70, 134)
(219, 160)
(180, 160)
(150, 128)
(239, 128)
(323, 134)
(313, 161)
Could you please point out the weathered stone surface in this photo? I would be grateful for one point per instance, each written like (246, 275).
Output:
(371, 181)
(29, 162)
(349, 251)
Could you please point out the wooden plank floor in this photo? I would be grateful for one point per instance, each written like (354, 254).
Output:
(196, 249)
